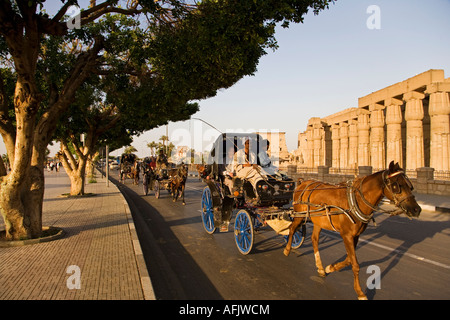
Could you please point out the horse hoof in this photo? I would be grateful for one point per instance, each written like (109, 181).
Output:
(329, 269)
(184, 204)
(321, 273)
(286, 252)
(362, 298)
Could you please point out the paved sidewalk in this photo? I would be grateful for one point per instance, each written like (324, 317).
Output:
(100, 246)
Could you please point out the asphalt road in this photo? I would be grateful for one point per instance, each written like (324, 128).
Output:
(184, 262)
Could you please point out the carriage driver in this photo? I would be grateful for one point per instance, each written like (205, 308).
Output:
(245, 164)
(227, 168)
(161, 160)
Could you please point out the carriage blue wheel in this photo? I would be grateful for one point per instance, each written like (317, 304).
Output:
(207, 211)
(243, 232)
(298, 237)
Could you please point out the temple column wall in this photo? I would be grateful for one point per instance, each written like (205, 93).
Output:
(343, 135)
(353, 144)
(394, 131)
(414, 130)
(363, 140)
(377, 148)
(317, 145)
(310, 148)
(439, 111)
(335, 138)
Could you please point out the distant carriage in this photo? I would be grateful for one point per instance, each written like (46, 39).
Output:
(171, 179)
(129, 168)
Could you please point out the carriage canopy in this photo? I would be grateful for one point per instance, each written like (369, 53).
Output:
(129, 158)
(225, 141)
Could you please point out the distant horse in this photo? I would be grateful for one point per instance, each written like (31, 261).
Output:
(129, 168)
(347, 209)
(135, 169)
(202, 172)
(177, 182)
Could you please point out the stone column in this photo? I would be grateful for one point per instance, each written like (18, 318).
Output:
(439, 110)
(335, 145)
(317, 137)
(353, 144)
(414, 130)
(377, 150)
(343, 135)
(310, 148)
(394, 131)
(363, 140)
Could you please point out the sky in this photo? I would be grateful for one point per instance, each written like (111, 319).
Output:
(321, 67)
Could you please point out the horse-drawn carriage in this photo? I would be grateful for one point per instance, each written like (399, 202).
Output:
(171, 178)
(129, 168)
(264, 201)
(346, 207)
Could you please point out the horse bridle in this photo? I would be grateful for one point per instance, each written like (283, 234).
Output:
(387, 185)
(390, 186)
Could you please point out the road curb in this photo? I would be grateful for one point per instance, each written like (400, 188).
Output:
(429, 207)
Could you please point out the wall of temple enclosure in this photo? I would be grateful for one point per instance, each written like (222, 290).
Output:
(408, 122)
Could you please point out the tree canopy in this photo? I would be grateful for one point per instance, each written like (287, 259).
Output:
(150, 58)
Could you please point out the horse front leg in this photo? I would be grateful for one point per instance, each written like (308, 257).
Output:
(174, 193)
(182, 194)
(315, 243)
(292, 229)
(339, 265)
(350, 245)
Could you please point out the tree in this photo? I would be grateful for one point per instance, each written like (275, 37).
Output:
(104, 121)
(34, 42)
(184, 52)
(130, 149)
(153, 147)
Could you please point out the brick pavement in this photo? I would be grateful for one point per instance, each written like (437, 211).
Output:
(99, 239)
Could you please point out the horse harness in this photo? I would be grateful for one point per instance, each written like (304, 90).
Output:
(354, 209)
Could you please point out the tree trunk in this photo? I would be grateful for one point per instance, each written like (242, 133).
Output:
(17, 225)
(22, 190)
(77, 182)
(75, 168)
(90, 165)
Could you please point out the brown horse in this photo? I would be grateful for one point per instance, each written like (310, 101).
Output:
(177, 182)
(202, 172)
(135, 169)
(347, 209)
